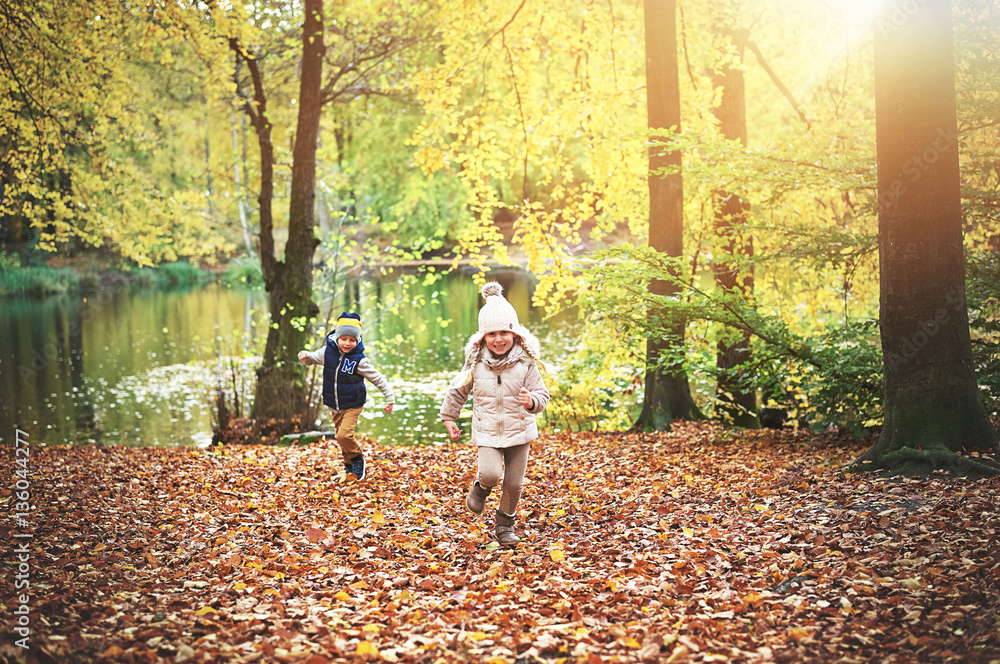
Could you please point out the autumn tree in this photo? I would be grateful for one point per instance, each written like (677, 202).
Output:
(667, 395)
(89, 155)
(281, 388)
(733, 270)
(346, 57)
(933, 410)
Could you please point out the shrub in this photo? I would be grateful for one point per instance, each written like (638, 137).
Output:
(243, 271)
(181, 273)
(18, 280)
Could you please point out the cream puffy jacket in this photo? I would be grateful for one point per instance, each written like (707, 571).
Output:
(498, 419)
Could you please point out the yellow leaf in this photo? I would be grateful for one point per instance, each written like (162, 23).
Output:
(366, 648)
(557, 555)
(342, 596)
(760, 508)
(478, 636)
(629, 642)
(371, 628)
(240, 586)
(205, 610)
(377, 517)
(688, 532)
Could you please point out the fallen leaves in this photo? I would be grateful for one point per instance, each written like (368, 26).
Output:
(636, 548)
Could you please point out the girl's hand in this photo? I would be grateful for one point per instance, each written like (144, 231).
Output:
(453, 430)
(524, 398)
(387, 409)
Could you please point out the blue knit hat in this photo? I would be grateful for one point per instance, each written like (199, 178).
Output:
(348, 325)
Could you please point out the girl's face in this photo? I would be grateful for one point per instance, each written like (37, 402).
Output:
(499, 342)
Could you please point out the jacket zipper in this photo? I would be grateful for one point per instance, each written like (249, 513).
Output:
(336, 383)
(499, 409)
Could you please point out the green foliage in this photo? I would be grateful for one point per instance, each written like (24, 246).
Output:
(16, 280)
(371, 180)
(167, 275)
(144, 277)
(181, 273)
(829, 377)
(983, 295)
(243, 271)
(594, 383)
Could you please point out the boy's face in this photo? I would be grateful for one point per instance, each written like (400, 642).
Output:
(499, 342)
(346, 344)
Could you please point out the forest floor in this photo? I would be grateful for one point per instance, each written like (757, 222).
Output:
(697, 545)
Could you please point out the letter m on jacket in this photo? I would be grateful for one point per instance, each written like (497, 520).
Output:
(349, 366)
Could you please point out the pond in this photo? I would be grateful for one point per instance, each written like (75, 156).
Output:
(136, 367)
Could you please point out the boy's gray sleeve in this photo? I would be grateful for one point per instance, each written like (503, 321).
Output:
(317, 357)
(366, 369)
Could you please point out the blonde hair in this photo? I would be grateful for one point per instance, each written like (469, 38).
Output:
(465, 376)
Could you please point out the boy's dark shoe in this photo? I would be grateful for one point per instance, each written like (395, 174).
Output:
(357, 466)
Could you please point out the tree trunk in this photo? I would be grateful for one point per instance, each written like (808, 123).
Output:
(281, 395)
(932, 404)
(738, 404)
(667, 393)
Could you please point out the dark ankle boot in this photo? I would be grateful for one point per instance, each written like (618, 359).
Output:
(504, 530)
(476, 500)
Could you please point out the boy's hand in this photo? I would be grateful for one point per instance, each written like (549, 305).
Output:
(303, 355)
(524, 398)
(453, 430)
(387, 408)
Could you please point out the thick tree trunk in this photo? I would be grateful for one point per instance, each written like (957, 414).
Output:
(667, 393)
(738, 403)
(932, 404)
(281, 379)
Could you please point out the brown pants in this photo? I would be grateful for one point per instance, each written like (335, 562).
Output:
(346, 421)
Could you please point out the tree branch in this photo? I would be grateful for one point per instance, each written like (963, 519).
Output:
(777, 82)
(507, 24)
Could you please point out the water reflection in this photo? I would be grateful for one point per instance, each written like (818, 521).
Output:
(105, 368)
(138, 367)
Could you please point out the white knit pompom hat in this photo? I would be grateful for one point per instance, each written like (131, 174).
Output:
(497, 315)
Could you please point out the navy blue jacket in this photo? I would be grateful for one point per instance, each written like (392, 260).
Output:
(343, 385)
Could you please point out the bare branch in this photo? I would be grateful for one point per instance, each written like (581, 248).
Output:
(777, 82)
